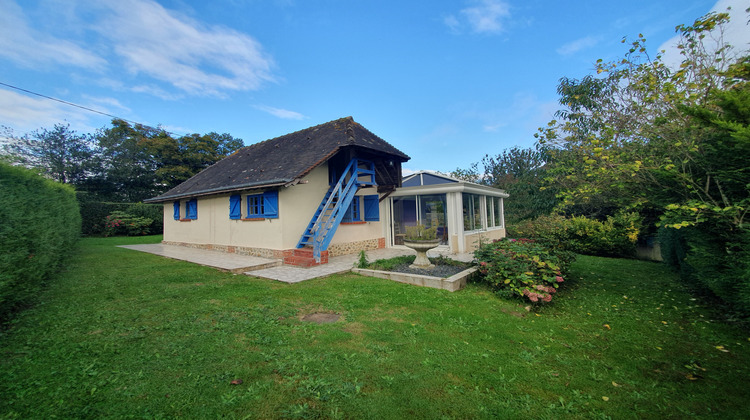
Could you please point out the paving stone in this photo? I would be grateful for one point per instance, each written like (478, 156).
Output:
(273, 269)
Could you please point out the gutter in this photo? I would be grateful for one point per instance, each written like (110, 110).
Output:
(211, 191)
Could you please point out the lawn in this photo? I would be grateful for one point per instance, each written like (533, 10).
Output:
(127, 334)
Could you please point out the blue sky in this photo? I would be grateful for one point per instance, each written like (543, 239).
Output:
(444, 81)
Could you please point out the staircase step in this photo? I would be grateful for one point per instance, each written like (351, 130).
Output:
(303, 257)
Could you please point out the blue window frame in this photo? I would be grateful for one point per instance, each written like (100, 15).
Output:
(372, 208)
(263, 205)
(176, 207)
(235, 203)
(351, 214)
(191, 209)
(255, 206)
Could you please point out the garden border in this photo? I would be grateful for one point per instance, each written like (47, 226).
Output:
(451, 284)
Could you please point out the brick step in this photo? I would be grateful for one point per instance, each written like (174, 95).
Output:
(303, 257)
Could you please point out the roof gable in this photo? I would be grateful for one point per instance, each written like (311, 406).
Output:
(281, 160)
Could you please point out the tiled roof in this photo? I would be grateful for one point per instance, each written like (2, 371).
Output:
(281, 160)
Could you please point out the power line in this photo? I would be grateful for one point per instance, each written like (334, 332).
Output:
(81, 107)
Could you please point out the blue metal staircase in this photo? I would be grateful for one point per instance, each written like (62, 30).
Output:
(329, 214)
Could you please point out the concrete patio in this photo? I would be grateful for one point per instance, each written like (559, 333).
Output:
(273, 269)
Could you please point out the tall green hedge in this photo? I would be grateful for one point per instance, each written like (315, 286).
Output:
(93, 214)
(39, 225)
(714, 258)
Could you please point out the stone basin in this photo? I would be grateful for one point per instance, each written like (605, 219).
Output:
(422, 247)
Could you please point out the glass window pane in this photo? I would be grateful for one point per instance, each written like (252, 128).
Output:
(467, 210)
(404, 214)
(498, 211)
(472, 206)
(433, 213)
(477, 211)
(489, 201)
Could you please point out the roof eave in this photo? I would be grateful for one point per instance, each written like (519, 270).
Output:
(219, 190)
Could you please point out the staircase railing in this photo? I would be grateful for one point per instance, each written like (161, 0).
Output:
(328, 216)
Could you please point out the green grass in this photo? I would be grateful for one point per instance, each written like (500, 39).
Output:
(128, 334)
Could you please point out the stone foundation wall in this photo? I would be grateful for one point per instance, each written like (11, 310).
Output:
(354, 247)
(276, 254)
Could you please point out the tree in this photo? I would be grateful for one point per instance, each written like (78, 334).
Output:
(179, 159)
(671, 142)
(59, 153)
(127, 170)
(520, 173)
(626, 138)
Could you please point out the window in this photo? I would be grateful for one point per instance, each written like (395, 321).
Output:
(255, 207)
(264, 205)
(176, 206)
(235, 203)
(498, 211)
(472, 211)
(489, 211)
(494, 211)
(351, 214)
(404, 215)
(191, 207)
(372, 208)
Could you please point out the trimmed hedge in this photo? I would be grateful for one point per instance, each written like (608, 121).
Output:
(94, 214)
(40, 226)
(714, 258)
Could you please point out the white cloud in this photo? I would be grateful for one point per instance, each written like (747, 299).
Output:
(577, 45)
(99, 102)
(156, 91)
(160, 48)
(177, 130)
(452, 23)
(21, 43)
(484, 16)
(193, 57)
(280, 113)
(736, 33)
(30, 113)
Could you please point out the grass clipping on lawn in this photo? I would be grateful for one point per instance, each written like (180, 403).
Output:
(129, 334)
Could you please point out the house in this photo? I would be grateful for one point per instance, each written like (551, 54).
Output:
(466, 214)
(328, 190)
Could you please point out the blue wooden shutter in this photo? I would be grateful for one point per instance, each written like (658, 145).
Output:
(235, 211)
(356, 216)
(176, 206)
(271, 204)
(192, 209)
(372, 208)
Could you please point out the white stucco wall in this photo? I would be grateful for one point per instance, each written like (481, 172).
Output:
(297, 204)
(362, 231)
(472, 240)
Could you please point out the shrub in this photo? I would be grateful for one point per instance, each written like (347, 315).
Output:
(523, 267)
(93, 214)
(362, 262)
(617, 236)
(121, 223)
(40, 226)
(421, 233)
